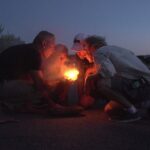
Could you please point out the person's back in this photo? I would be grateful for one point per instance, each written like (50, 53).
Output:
(18, 60)
(126, 63)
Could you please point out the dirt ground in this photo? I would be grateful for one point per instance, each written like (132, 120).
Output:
(90, 130)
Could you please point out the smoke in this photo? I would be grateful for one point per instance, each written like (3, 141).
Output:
(54, 67)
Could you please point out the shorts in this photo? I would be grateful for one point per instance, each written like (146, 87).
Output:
(134, 90)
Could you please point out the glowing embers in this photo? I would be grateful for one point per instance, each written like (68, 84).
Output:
(71, 74)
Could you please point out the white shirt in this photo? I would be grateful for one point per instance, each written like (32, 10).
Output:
(117, 60)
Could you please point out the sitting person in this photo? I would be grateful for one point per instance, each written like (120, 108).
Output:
(27, 60)
(54, 74)
(123, 79)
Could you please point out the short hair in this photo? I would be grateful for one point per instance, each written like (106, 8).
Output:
(96, 41)
(61, 48)
(41, 36)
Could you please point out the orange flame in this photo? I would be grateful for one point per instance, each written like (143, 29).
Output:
(71, 74)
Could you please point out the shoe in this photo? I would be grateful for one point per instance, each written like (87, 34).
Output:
(125, 117)
(59, 110)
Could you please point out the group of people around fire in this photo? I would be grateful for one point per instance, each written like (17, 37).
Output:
(109, 73)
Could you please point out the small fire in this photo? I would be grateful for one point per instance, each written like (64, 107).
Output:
(71, 74)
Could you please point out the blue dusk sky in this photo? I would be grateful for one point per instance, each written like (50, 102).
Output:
(124, 23)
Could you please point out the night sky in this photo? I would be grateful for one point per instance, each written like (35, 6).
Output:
(124, 23)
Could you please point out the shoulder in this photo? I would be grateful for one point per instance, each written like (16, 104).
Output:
(108, 48)
(114, 50)
(17, 49)
(22, 46)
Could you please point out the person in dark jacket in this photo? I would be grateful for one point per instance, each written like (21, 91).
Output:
(26, 62)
